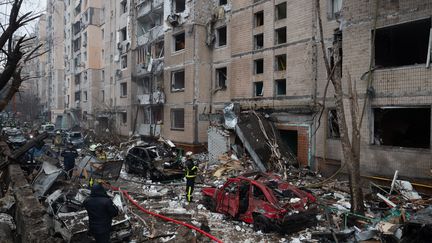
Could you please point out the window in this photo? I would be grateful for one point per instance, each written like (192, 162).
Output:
(259, 66)
(123, 117)
(103, 54)
(280, 62)
(123, 34)
(77, 44)
(77, 96)
(280, 87)
(177, 119)
(85, 95)
(179, 41)
(333, 8)
(222, 2)
(177, 81)
(77, 79)
(144, 87)
(179, 5)
(123, 6)
(259, 18)
(258, 193)
(259, 41)
(103, 95)
(123, 89)
(159, 49)
(124, 61)
(280, 36)
(403, 44)
(281, 11)
(402, 127)
(333, 125)
(221, 36)
(221, 77)
(258, 89)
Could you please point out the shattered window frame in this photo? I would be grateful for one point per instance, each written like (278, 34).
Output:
(259, 18)
(179, 44)
(123, 6)
(259, 41)
(223, 2)
(174, 80)
(401, 127)
(124, 61)
(281, 35)
(222, 36)
(177, 119)
(280, 91)
(402, 44)
(280, 62)
(179, 6)
(333, 131)
(123, 90)
(281, 11)
(258, 89)
(123, 34)
(259, 66)
(221, 72)
(334, 7)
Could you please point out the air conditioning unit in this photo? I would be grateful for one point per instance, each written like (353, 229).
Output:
(174, 19)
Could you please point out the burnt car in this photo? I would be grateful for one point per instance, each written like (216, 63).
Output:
(147, 161)
(264, 200)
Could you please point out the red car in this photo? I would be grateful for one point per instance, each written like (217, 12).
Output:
(264, 200)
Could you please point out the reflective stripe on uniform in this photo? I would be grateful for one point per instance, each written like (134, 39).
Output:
(188, 172)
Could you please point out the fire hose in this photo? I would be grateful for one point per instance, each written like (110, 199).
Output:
(126, 194)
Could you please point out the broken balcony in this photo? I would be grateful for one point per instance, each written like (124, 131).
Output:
(156, 98)
(151, 35)
(145, 7)
(149, 129)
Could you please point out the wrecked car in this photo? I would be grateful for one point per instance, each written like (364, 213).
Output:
(264, 200)
(70, 219)
(75, 138)
(147, 161)
(15, 138)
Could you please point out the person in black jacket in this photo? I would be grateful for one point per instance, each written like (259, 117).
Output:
(69, 155)
(101, 210)
(191, 173)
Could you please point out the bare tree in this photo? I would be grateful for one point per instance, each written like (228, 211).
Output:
(350, 146)
(16, 51)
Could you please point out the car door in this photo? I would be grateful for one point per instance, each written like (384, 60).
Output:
(228, 198)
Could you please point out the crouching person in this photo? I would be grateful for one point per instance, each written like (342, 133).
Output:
(101, 210)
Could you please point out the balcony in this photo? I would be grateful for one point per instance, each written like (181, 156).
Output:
(149, 129)
(157, 98)
(141, 69)
(145, 7)
(151, 35)
(143, 99)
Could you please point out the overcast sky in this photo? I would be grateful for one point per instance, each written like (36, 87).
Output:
(36, 6)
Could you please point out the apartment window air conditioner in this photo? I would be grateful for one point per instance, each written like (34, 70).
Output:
(173, 19)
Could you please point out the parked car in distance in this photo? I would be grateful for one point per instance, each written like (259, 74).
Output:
(145, 160)
(75, 138)
(49, 128)
(265, 200)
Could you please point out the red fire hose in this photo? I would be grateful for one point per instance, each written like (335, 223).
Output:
(166, 218)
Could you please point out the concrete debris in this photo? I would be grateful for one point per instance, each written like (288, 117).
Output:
(407, 190)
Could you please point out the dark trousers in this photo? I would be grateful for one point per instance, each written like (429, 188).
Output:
(102, 238)
(190, 184)
(69, 169)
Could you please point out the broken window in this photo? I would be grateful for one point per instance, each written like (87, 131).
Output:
(123, 6)
(402, 44)
(280, 36)
(258, 89)
(144, 88)
(221, 77)
(77, 79)
(259, 18)
(123, 117)
(333, 8)
(281, 11)
(124, 61)
(177, 81)
(222, 2)
(222, 36)
(179, 5)
(85, 95)
(177, 119)
(77, 96)
(333, 125)
(258, 193)
(402, 127)
(280, 87)
(123, 34)
(280, 62)
(179, 41)
(159, 49)
(259, 41)
(123, 89)
(259, 66)
(77, 44)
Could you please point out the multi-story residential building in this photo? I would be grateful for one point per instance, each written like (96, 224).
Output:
(41, 87)
(148, 94)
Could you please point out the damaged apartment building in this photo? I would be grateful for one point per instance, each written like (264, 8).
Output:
(148, 55)
(266, 56)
